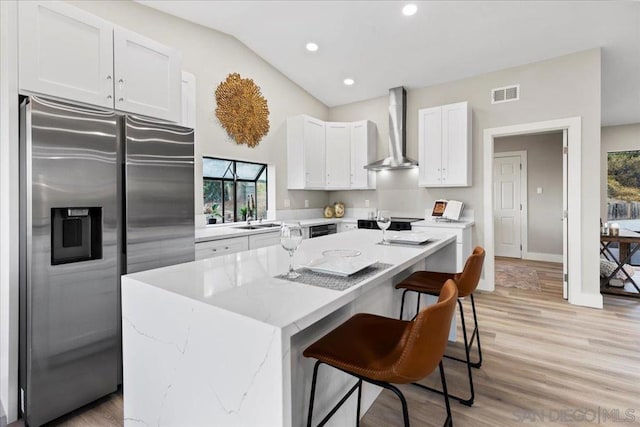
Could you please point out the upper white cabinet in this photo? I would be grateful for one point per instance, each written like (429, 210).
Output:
(338, 154)
(188, 116)
(364, 150)
(305, 153)
(148, 78)
(65, 52)
(444, 143)
(68, 53)
(329, 155)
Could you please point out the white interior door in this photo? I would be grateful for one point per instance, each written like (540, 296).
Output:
(565, 218)
(507, 206)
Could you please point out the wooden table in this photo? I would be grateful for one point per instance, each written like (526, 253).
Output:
(630, 241)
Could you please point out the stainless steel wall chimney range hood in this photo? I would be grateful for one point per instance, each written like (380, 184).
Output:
(397, 134)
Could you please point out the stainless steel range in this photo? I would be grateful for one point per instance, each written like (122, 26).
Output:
(397, 223)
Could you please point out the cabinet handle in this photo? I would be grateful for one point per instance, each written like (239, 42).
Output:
(438, 169)
(108, 77)
(444, 169)
(109, 96)
(226, 248)
(120, 99)
(121, 81)
(214, 250)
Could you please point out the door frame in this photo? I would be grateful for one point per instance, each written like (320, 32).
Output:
(524, 197)
(574, 199)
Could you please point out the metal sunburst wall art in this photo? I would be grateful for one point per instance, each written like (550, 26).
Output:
(242, 110)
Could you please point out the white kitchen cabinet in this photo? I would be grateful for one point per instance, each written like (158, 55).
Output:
(364, 150)
(263, 240)
(305, 153)
(148, 78)
(445, 146)
(71, 54)
(65, 52)
(463, 238)
(347, 226)
(331, 155)
(220, 247)
(188, 116)
(338, 155)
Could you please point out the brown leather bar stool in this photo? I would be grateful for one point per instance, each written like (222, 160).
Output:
(381, 351)
(431, 283)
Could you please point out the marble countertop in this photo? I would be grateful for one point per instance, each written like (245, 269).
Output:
(244, 284)
(216, 232)
(462, 224)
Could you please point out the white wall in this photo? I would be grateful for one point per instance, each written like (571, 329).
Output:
(615, 138)
(211, 56)
(563, 87)
(544, 170)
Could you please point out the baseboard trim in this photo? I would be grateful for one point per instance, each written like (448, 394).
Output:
(539, 256)
(3, 416)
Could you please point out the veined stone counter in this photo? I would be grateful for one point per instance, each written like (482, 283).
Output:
(218, 342)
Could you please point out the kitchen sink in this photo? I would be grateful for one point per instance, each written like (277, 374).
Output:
(257, 226)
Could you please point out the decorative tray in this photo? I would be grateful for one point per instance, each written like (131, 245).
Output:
(340, 266)
(409, 237)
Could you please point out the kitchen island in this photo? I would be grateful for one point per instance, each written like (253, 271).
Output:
(219, 341)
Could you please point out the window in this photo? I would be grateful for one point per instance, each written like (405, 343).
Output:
(623, 186)
(234, 190)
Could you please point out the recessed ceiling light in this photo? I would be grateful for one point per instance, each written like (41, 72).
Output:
(409, 9)
(349, 82)
(312, 47)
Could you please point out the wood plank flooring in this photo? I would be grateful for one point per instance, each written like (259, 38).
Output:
(545, 363)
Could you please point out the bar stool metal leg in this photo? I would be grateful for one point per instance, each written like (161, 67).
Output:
(449, 421)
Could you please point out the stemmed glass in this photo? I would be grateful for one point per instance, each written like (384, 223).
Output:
(290, 238)
(383, 221)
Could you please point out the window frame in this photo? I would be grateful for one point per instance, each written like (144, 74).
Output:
(235, 180)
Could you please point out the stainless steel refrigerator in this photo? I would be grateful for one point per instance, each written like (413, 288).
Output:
(102, 194)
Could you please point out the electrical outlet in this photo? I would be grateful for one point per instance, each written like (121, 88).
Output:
(539, 190)
(366, 203)
(287, 203)
(306, 203)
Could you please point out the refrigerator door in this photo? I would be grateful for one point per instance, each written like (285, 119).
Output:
(69, 335)
(159, 182)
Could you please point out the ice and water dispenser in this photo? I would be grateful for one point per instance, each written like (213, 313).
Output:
(76, 234)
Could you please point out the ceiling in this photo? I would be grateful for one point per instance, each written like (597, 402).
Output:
(376, 45)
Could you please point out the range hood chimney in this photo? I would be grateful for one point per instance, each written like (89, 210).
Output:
(397, 134)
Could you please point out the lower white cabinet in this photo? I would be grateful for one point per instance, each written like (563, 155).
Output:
(463, 241)
(347, 226)
(220, 247)
(264, 239)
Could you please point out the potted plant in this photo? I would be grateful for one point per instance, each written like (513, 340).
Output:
(213, 213)
(243, 213)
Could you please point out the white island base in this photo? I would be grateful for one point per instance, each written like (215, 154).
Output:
(219, 342)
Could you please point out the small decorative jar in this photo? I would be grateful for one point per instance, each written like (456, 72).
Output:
(328, 211)
(614, 229)
(338, 209)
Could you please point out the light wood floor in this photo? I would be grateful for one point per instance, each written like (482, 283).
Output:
(543, 359)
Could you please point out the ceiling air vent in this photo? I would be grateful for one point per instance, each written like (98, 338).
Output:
(505, 94)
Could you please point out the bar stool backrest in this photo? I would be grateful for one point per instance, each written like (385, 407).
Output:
(468, 280)
(426, 339)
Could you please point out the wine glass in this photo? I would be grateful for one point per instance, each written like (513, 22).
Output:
(290, 238)
(383, 221)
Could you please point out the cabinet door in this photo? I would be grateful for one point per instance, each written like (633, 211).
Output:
(362, 153)
(456, 150)
(65, 52)
(430, 146)
(147, 76)
(264, 239)
(188, 113)
(338, 153)
(314, 153)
